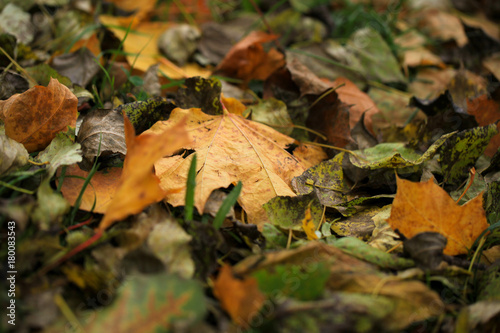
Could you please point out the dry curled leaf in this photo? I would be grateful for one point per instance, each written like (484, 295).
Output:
(34, 117)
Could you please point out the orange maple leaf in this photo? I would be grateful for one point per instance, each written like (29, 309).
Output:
(241, 298)
(229, 149)
(421, 207)
(139, 187)
(34, 117)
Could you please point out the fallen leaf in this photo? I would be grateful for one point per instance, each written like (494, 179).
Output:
(169, 242)
(394, 155)
(241, 298)
(140, 46)
(12, 154)
(151, 303)
(442, 25)
(461, 151)
(486, 111)
(139, 186)
(141, 10)
(101, 134)
(51, 205)
(422, 207)
(231, 148)
(308, 225)
(248, 60)
(99, 192)
(289, 213)
(34, 117)
(358, 101)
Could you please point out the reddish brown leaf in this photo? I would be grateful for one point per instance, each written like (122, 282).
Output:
(486, 111)
(248, 60)
(34, 117)
(360, 102)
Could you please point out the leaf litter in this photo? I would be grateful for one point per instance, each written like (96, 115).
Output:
(363, 138)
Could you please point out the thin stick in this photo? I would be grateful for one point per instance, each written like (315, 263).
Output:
(472, 172)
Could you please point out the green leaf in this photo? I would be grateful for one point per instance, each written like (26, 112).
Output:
(359, 249)
(294, 281)
(375, 56)
(191, 183)
(151, 304)
(226, 205)
(394, 155)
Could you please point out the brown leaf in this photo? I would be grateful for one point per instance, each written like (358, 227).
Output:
(101, 132)
(422, 207)
(139, 186)
(359, 101)
(34, 117)
(230, 148)
(330, 116)
(248, 60)
(486, 111)
(241, 298)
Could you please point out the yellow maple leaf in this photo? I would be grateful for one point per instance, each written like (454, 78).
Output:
(229, 149)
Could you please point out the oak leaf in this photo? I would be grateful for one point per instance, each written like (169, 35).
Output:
(34, 117)
(241, 298)
(139, 186)
(229, 149)
(423, 207)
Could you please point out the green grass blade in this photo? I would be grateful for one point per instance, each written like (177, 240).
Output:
(229, 202)
(191, 183)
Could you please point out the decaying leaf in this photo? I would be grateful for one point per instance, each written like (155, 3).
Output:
(34, 117)
(101, 134)
(231, 148)
(461, 151)
(12, 154)
(151, 303)
(51, 205)
(139, 186)
(421, 207)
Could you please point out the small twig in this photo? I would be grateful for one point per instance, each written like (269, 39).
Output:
(472, 172)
